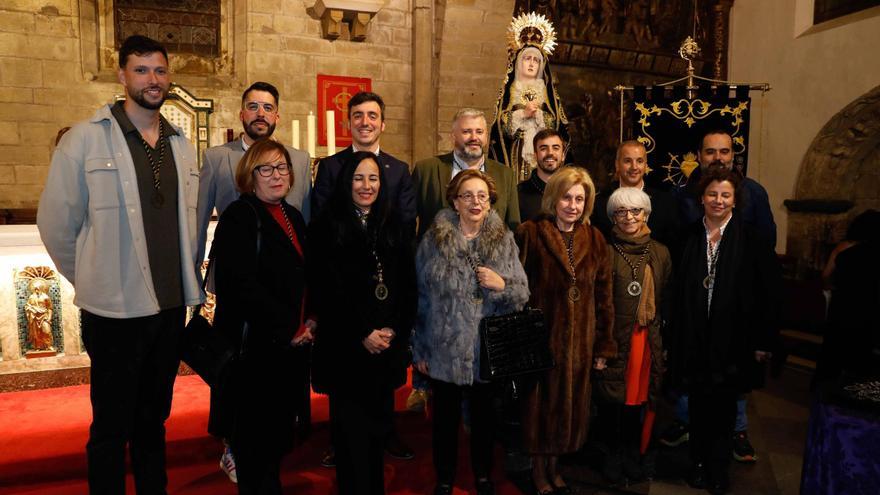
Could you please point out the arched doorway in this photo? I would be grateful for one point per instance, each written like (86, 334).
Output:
(839, 178)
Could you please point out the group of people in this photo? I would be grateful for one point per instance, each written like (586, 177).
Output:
(376, 268)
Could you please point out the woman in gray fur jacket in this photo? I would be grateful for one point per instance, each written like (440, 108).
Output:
(468, 268)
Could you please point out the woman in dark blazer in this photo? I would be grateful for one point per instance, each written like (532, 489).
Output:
(363, 281)
(259, 253)
(724, 321)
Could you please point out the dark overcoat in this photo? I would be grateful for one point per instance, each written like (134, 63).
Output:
(610, 383)
(343, 288)
(557, 409)
(716, 346)
(266, 291)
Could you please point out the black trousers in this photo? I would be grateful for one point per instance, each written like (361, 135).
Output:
(446, 420)
(712, 414)
(134, 364)
(620, 425)
(361, 423)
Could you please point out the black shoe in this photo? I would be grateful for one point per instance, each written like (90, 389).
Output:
(675, 435)
(612, 467)
(632, 467)
(561, 490)
(443, 489)
(485, 487)
(328, 459)
(742, 448)
(698, 476)
(398, 450)
(717, 488)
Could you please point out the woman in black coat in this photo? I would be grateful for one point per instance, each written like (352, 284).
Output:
(724, 321)
(362, 276)
(259, 253)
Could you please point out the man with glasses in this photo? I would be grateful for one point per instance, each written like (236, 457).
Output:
(259, 114)
(431, 176)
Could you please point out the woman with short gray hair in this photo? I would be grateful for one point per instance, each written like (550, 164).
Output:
(630, 382)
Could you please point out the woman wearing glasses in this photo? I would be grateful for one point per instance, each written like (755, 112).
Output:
(259, 254)
(467, 269)
(569, 273)
(362, 275)
(642, 269)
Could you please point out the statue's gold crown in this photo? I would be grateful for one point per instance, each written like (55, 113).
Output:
(531, 30)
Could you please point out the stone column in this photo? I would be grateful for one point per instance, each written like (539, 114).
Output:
(424, 102)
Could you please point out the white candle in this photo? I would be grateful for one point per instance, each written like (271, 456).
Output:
(294, 141)
(331, 133)
(310, 134)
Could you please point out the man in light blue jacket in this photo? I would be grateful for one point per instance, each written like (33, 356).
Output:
(118, 218)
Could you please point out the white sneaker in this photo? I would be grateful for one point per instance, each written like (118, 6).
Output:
(227, 465)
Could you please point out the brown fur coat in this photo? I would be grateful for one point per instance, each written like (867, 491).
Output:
(556, 410)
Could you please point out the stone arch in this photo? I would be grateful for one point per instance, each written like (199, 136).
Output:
(841, 166)
(831, 164)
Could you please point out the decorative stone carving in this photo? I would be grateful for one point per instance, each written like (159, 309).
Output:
(840, 164)
(335, 15)
(38, 301)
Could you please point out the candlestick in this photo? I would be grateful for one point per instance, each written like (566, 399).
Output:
(294, 141)
(331, 133)
(310, 134)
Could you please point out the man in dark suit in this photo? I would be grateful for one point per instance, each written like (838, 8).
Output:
(631, 165)
(366, 115)
(550, 153)
(259, 113)
(470, 139)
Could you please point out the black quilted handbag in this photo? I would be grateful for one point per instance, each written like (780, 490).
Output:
(514, 344)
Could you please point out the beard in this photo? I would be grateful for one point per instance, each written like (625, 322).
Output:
(140, 100)
(466, 152)
(549, 169)
(254, 134)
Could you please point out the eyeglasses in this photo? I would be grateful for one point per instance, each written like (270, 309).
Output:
(267, 170)
(469, 197)
(622, 212)
(253, 106)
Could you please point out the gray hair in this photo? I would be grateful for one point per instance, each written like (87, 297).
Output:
(469, 113)
(628, 197)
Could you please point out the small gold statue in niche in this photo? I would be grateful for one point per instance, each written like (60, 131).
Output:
(38, 297)
(39, 316)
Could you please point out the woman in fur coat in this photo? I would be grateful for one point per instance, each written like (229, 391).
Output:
(569, 274)
(642, 269)
(468, 268)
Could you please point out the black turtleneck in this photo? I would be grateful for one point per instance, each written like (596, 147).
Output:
(530, 192)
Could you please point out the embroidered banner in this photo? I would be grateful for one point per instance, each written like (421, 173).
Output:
(670, 125)
(333, 94)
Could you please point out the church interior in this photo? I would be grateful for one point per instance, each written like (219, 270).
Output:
(809, 132)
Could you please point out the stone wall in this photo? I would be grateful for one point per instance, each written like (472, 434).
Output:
(472, 59)
(815, 72)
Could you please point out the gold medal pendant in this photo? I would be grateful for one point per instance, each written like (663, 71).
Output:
(381, 292)
(574, 294)
(634, 288)
(708, 281)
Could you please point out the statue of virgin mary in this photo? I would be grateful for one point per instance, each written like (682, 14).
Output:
(528, 101)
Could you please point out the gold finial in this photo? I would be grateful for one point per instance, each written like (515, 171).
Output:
(689, 49)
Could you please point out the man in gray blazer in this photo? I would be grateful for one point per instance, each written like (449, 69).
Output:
(259, 113)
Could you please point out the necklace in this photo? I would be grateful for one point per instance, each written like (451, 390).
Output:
(287, 223)
(634, 288)
(381, 291)
(157, 199)
(574, 294)
(473, 260)
(709, 281)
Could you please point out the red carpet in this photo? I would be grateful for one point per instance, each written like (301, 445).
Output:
(44, 432)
